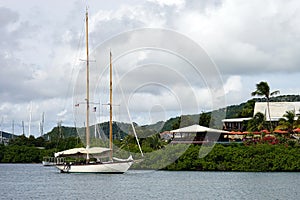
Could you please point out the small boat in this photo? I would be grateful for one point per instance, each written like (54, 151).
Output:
(94, 159)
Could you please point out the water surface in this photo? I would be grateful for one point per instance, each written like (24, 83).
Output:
(33, 181)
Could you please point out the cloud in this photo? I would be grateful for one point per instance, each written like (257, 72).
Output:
(248, 41)
(233, 84)
(247, 37)
(177, 3)
(8, 19)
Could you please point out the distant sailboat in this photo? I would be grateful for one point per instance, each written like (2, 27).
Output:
(111, 165)
(41, 125)
(29, 122)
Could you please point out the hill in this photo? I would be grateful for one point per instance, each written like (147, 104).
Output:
(121, 129)
(6, 135)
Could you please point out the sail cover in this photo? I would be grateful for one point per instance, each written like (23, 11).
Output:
(92, 150)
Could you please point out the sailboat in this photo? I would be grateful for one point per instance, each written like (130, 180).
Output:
(94, 156)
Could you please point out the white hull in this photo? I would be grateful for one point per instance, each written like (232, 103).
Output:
(107, 167)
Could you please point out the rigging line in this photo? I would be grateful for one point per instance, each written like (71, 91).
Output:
(75, 63)
(129, 115)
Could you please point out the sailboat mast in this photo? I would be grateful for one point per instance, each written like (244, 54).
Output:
(87, 130)
(23, 127)
(110, 106)
(30, 116)
(42, 124)
(13, 128)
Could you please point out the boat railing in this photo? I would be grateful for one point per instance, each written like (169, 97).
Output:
(48, 161)
(60, 160)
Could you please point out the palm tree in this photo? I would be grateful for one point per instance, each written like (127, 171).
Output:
(128, 142)
(263, 89)
(288, 120)
(257, 123)
(154, 142)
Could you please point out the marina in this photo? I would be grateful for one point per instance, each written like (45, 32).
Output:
(149, 100)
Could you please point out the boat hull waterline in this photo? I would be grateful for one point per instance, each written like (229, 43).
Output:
(108, 167)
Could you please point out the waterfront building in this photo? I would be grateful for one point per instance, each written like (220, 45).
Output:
(277, 110)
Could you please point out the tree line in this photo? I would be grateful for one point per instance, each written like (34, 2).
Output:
(23, 149)
(260, 156)
(265, 154)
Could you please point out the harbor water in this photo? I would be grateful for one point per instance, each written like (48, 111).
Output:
(33, 181)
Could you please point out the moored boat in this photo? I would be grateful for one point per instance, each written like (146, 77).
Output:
(93, 159)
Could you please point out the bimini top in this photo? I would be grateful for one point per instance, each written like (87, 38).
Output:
(92, 150)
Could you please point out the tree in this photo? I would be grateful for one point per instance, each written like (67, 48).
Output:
(257, 123)
(154, 142)
(288, 120)
(204, 119)
(263, 89)
(128, 142)
(247, 110)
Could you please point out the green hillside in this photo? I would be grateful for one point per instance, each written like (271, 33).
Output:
(121, 130)
(279, 154)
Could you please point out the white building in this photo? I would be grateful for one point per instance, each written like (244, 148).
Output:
(277, 110)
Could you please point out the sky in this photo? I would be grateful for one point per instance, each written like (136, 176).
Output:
(170, 57)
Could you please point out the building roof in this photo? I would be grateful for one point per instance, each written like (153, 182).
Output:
(196, 129)
(237, 119)
(277, 109)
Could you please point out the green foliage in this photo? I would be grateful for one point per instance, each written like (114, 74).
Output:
(263, 89)
(247, 109)
(171, 124)
(284, 156)
(242, 110)
(153, 142)
(233, 157)
(21, 154)
(162, 157)
(260, 157)
(2, 149)
(288, 121)
(204, 119)
(22, 140)
(257, 123)
(30, 150)
(129, 144)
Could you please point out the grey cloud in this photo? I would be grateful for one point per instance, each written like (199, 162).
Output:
(7, 17)
(242, 40)
(203, 4)
(250, 38)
